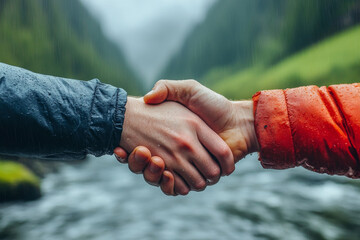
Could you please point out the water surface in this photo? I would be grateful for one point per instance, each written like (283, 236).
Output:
(100, 199)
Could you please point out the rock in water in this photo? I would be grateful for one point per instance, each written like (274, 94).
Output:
(18, 183)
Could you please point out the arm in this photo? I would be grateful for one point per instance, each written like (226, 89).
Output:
(316, 128)
(233, 121)
(51, 117)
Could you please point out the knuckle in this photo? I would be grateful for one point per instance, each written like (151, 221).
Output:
(199, 185)
(183, 191)
(214, 174)
(230, 170)
(152, 180)
(224, 153)
(161, 82)
(166, 190)
(152, 183)
(193, 122)
(168, 193)
(183, 143)
(135, 169)
(192, 82)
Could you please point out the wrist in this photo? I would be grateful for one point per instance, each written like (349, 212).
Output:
(128, 128)
(244, 111)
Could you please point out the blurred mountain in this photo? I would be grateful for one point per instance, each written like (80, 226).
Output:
(237, 35)
(61, 38)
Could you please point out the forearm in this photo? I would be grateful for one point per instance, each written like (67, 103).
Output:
(50, 117)
(313, 127)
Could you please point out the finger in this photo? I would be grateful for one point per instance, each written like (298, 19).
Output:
(154, 171)
(218, 148)
(139, 159)
(167, 183)
(121, 155)
(206, 165)
(180, 91)
(180, 186)
(191, 176)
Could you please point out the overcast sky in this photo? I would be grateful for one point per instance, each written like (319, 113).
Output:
(148, 31)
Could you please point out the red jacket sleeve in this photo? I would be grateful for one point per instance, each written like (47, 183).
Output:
(317, 128)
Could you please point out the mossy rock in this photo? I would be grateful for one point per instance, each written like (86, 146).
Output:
(18, 183)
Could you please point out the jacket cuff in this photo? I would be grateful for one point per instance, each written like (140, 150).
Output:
(349, 105)
(273, 130)
(118, 120)
(106, 119)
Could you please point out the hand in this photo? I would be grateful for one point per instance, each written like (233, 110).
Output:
(232, 120)
(178, 136)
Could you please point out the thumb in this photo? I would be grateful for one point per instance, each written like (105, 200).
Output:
(158, 95)
(179, 91)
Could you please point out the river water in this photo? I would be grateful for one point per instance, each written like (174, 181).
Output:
(101, 199)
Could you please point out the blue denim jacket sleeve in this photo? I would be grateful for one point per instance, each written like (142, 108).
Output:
(56, 118)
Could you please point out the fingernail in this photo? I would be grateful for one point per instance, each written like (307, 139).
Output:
(154, 168)
(121, 160)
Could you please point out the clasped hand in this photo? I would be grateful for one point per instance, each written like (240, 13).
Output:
(183, 136)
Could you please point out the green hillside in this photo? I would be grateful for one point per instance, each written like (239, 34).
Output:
(335, 60)
(240, 34)
(60, 38)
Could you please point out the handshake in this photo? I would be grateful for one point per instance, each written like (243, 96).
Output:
(183, 136)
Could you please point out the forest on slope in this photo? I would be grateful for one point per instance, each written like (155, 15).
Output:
(58, 38)
(61, 38)
(334, 60)
(240, 36)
